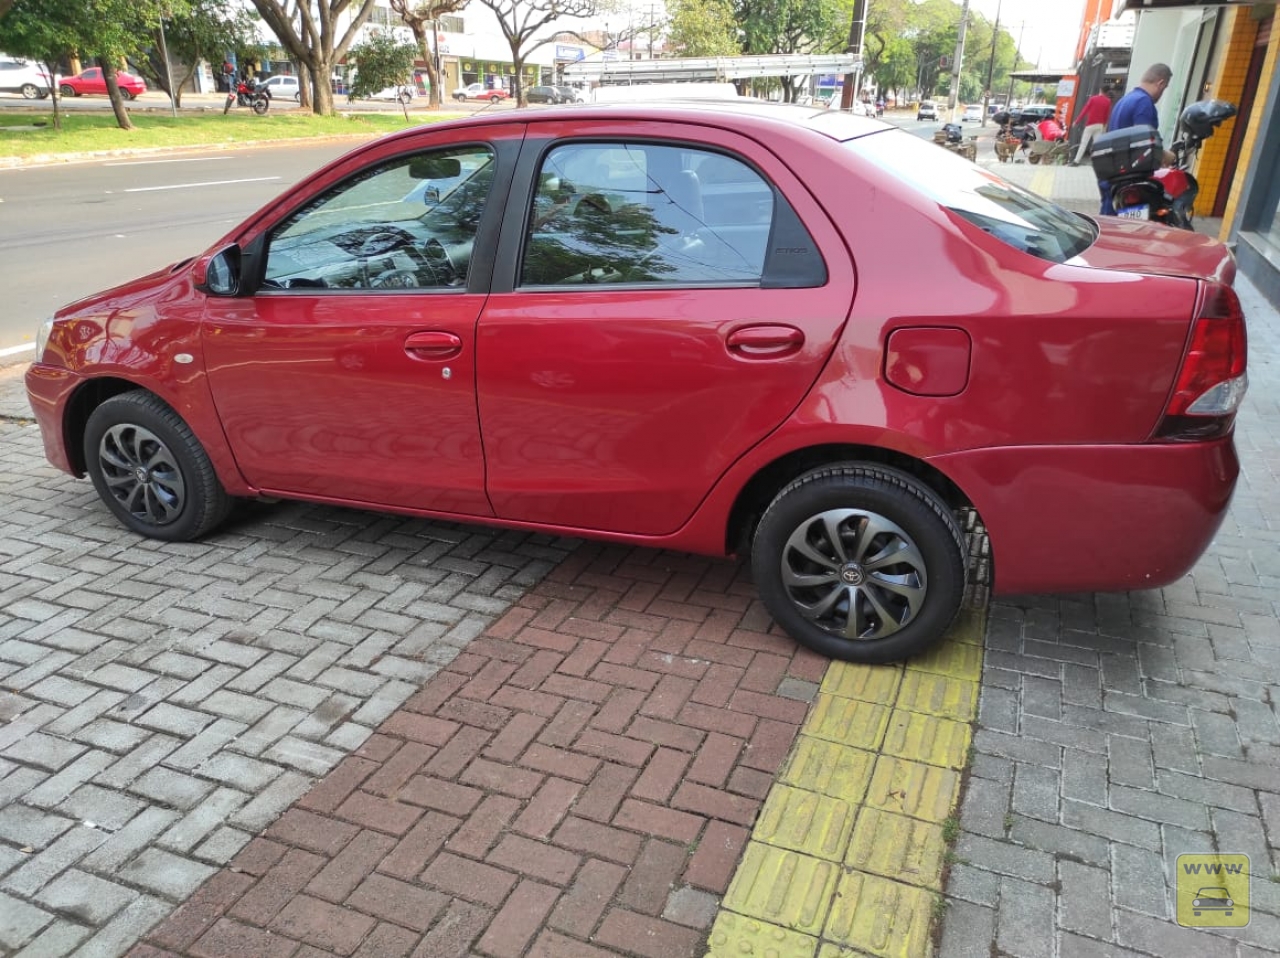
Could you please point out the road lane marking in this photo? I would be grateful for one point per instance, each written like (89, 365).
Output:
(14, 350)
(190, 159)
(190, 186)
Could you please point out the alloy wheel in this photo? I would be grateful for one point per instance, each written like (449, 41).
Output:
(142, 474)
(854, 573)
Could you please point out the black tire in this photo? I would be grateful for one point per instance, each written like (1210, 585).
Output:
(873, 507)
(495, 99)
(180, 497)
(30, 91)
(67, 90)
(127, 94)
(261, 105)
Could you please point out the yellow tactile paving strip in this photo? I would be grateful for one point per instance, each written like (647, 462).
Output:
(847, 855)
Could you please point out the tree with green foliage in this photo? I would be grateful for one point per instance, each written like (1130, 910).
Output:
(108, 30)
(381, 61)
(702, 28)
(421, 17)
(37, 31)
(521, 22)
(790, 26)
(308, 31)
(207, 30)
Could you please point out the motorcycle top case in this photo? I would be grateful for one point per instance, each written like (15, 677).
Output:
(1129, 150)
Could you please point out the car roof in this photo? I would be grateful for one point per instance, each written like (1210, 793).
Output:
(750, 114)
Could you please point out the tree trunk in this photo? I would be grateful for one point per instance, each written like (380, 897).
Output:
(305, 96)
(322, 86)
(434, 99)
(113, 91)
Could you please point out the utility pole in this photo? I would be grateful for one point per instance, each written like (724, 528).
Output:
(991, 66)
(959, 61)
(1017, 55)
(857, 29)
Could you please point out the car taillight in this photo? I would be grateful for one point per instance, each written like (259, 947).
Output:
(1212, 381)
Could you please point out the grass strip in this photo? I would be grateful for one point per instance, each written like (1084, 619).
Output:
(88, 133)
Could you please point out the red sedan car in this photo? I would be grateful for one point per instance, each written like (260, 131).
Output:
(691, 329)
(92, 81)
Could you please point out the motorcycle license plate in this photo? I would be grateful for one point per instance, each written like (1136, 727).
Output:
(1135, 212)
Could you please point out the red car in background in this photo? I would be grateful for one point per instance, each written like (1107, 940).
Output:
(690, 327)
(92, 81)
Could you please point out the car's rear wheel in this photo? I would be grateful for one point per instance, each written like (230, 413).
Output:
(30, 91)
(151, 471)
(860, 562)
(67, 90)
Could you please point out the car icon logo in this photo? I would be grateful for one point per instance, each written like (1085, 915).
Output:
(1212, 899)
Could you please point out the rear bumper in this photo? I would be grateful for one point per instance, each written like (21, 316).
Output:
(1096, 518)
(49, 388)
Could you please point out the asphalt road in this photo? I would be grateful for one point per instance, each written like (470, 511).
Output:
(73, 229)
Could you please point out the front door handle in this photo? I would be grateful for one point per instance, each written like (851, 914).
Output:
(435, 344)
(765, 342)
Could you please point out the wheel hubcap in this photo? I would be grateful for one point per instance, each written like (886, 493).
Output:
(142, 474)
(854, 574)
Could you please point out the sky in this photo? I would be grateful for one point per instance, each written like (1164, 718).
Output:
(1051, 30)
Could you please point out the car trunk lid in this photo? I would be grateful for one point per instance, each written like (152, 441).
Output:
(1143, 247)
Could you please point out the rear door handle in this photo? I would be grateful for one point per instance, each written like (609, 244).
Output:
(435, 344)
(765, 342)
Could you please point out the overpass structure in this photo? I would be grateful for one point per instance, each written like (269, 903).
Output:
(714, 69)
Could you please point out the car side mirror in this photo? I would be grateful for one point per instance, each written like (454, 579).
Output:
(222, 273)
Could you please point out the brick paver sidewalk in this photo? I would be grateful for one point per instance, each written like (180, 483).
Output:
(1118, 732)
(586, 771)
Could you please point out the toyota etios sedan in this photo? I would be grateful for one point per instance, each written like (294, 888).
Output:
(691, 329)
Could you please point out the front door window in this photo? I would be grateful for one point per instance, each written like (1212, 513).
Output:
(408, 224)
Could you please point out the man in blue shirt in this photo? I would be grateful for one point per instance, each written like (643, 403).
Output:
(1137, 108)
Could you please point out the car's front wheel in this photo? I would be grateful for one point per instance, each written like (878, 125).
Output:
(127, 94)
(495, 99)
(860, 562)
(151, 471)
(67, 90)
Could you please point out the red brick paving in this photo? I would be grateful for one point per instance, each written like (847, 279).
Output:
(607, 741)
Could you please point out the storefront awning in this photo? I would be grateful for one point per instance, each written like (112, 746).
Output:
(1123, 5)
(1041, 76)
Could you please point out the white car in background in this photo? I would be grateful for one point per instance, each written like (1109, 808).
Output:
(973, 113)
(25, 77)
(281, 87)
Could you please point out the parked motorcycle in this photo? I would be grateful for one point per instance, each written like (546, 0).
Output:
(1143, 183)
(1014, 134)
(245, 94)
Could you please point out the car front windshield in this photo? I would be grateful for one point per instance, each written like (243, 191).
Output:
(1028, 223)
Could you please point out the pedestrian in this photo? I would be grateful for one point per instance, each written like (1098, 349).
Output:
(1093, 117)
(1136, 108)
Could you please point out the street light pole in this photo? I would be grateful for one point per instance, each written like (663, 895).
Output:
(1017, 55)
(959, 60)
(991, 66)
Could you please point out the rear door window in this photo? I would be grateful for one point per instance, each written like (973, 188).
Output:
(649, 213)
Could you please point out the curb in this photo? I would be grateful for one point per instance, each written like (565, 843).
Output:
(850, 850)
